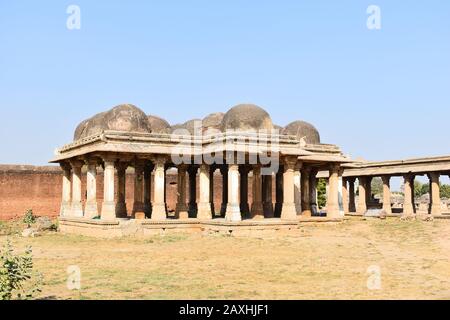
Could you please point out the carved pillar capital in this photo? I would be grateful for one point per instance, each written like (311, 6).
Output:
(192, 170)
(109, 158)
(291, 163)
(76, 164)
(159, 160)
(65, 166)
(306, 171)
(335, 168)
(224, 170)
(243, 169)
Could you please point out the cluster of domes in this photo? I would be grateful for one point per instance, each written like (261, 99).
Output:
(243, 117)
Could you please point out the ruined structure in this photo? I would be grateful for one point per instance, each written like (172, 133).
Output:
(239, 143)
(243, 145)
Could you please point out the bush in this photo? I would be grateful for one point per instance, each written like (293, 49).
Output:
(16, 274)
(29, 218)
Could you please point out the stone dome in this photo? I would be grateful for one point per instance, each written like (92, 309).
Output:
(124, 117)
(188, 125)
(277, 127)
(158, 125)
(127, 117)
(91, 126)
(246, 117)
(80, 130)
(213, 120)
(303, 129)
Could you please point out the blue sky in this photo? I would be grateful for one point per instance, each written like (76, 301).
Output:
(379, 94)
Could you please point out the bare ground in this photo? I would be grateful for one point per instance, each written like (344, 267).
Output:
(315, 262)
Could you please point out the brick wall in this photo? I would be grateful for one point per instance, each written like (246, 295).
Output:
(39, 188)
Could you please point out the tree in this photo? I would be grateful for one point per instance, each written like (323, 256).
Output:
(377, 186)
(425, 188)
(445, 191)
(321, 193)
(420, 189)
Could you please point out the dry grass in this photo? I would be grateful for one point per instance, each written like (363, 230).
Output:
(318, 262)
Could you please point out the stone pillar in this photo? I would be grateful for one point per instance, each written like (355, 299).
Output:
(305, 191)
(224, 172)
(211, 190)
(333, 195)
(233, 212)
(148, 190)
(408, 206)
(245, 209)
(312, 188)
(66, 203)
(138, 205)
(91, 210)
(368, 190)
(121, 206)
(340, 193)
(345, 201)
(267, 196)
(351, 196)
(297, 190)
(279, 192)
(166, 167)
(413, 196)
(204, 205)
(77, 206)
(362, 205)
(193, 209)
(435, 196)
(387, 207)
(288, 211)
(181, 211)
(108, 206)
(257, 211)
(159, 205)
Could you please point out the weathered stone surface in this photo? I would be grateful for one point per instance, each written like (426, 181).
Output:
(125, 117)
(188, 126)
(158, 125)
(277, 127)
(30, 232)
(90, 126)
(303, 129)
(43, 224)
(246, 117)
(213, 120)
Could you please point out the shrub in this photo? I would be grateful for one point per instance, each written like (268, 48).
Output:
(16, 274)
(29, 218)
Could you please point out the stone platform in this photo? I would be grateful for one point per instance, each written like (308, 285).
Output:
(142, 228)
